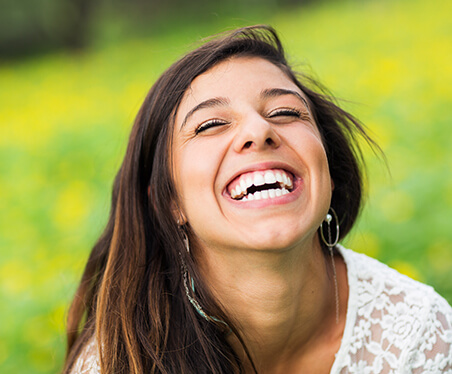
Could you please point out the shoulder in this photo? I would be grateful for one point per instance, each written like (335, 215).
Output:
(88, 360)
(373, 279)
(395, 321)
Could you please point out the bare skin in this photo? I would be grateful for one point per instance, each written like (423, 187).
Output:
(285, 306)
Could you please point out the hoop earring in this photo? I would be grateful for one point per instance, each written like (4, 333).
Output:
(328, 220)
(330, 244)
(185, 277)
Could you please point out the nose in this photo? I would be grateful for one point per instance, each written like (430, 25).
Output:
(256, 134)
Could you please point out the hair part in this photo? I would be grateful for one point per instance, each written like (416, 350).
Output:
(131, 296)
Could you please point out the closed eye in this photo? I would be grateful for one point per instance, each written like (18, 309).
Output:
(209, 124)
(291, 112)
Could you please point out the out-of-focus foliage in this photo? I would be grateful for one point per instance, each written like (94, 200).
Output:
(65, 118)
(29, 27)
(34, 26)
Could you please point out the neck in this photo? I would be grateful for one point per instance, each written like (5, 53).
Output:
(282, 302)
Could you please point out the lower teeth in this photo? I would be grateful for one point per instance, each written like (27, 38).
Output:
(266, 194)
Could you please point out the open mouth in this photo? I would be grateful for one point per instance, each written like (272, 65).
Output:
(263, 184)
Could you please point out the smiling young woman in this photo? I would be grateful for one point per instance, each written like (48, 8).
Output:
(221, 254)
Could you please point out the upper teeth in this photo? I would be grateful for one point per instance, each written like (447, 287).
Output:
(260, 178)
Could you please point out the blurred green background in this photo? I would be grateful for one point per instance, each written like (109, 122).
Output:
(73, 75)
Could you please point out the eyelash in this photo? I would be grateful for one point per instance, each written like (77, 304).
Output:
(290, 112)
(209, 124)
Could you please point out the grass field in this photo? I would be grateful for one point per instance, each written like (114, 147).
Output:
(65, 118)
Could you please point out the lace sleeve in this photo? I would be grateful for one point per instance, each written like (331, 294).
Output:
(433, 351)
(88, 360)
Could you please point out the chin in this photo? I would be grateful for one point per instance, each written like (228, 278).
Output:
(273, 239)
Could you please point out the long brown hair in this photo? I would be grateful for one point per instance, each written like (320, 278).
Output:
(131, 297)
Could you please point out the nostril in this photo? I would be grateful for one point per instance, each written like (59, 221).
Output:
(247, 144)
(269, 141)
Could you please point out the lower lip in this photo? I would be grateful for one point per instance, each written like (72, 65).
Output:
(279, 200)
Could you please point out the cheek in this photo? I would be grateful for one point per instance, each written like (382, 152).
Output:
(195, 170)
(323, 171)
(311, 151)
(308, 145)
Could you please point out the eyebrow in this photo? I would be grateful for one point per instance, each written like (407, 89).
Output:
(274, 92)
(210, 103)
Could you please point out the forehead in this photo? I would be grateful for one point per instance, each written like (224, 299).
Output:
(234, 78)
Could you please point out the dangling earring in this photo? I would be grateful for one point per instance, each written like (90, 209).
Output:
(330, 244)
(185, 239)
(185, 277)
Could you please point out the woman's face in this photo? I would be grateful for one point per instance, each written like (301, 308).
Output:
(249, 165)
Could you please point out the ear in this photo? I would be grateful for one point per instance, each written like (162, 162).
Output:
(176, 211)
(178, 214)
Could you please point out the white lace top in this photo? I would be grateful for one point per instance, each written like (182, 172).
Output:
(394, 325)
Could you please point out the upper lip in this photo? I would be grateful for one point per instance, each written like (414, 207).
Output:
(267, 165)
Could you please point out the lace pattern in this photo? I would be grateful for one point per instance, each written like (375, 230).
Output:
(88, 361)
(394, 325)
